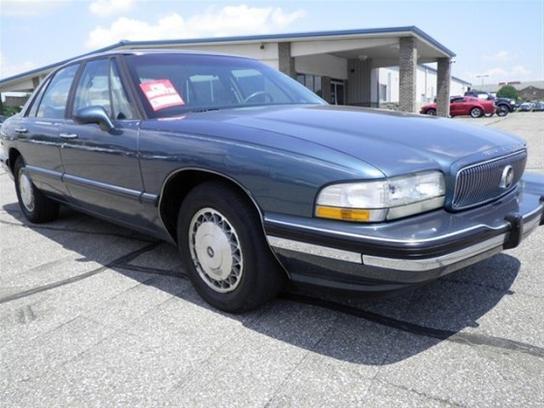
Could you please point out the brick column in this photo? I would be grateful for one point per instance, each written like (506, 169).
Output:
(443, 80)
(286, 63)
(407, 74)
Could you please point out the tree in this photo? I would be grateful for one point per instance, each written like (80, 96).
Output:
(508, 91)
(10, 110)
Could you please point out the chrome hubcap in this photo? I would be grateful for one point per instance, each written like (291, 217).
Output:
(215, 250)
(25, 188)
(476, 113)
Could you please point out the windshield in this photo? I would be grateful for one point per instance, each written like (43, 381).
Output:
(171, 84)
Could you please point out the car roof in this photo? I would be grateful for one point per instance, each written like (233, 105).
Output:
(144, 52)
(153, 51)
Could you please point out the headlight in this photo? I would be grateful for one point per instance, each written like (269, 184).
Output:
(374, 201)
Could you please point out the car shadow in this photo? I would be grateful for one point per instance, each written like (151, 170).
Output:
(367, 330)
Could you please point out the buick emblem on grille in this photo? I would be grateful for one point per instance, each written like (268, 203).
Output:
(507, 177)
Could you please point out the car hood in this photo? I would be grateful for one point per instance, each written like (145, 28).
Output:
(395, 143)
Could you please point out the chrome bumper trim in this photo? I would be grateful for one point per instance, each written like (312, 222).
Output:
(312, 249)
(492, 245)
(427, 264)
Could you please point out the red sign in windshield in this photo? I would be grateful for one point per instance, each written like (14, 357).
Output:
(161, 94)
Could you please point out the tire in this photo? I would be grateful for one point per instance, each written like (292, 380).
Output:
(224, 249)
(502, 110)
(431, 112)
(476, 112)
(35, 206)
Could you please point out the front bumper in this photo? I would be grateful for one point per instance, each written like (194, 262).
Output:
(395, 255)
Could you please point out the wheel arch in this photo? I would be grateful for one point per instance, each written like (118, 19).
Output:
(180, 182)
(13, 155)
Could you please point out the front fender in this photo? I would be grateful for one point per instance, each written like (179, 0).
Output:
(279, 180)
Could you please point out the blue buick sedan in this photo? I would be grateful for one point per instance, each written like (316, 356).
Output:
(259, 182)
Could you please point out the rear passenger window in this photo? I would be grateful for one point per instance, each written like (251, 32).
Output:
(53, 103)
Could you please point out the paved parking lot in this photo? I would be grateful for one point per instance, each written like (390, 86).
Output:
(92, 314)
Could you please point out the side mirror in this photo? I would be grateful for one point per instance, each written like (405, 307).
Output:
(94, 114)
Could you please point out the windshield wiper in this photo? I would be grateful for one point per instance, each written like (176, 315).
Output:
(202, 109)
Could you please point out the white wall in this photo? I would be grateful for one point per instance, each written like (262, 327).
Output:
(425, 87)
(457, 88)
(267, 54)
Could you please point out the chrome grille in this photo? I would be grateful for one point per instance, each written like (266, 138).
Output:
(480, 182)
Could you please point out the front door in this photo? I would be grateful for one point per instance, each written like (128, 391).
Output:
(337, 92)
(102, 172)
(457, 106)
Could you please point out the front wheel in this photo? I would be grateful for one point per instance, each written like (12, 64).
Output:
(502, 111)
(475, 112)
(224, 249)
(36, 207)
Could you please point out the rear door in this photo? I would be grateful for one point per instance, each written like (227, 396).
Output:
(102, 170)
(39, 132)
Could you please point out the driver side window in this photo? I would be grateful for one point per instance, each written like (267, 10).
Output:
(100, 85)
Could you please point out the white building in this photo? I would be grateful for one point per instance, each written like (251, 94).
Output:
(386, 86)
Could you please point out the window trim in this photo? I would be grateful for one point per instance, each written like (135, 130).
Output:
(116, 62)
(132, 93)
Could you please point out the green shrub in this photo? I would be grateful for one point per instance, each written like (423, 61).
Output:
(508, 91)
(9, 110)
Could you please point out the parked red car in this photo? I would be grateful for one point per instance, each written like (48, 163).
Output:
(463, 105)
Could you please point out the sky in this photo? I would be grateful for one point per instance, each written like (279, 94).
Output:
(501, 39)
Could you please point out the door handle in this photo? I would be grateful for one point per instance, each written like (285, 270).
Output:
(21, 130)
(68, 135)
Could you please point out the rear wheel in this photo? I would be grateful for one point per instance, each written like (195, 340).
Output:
(476, 112)
(36, 207)
(224, 249)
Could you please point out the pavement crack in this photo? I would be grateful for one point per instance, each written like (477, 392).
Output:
(472, 339)
(151, 270)
(421, 394)
(121, 260)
